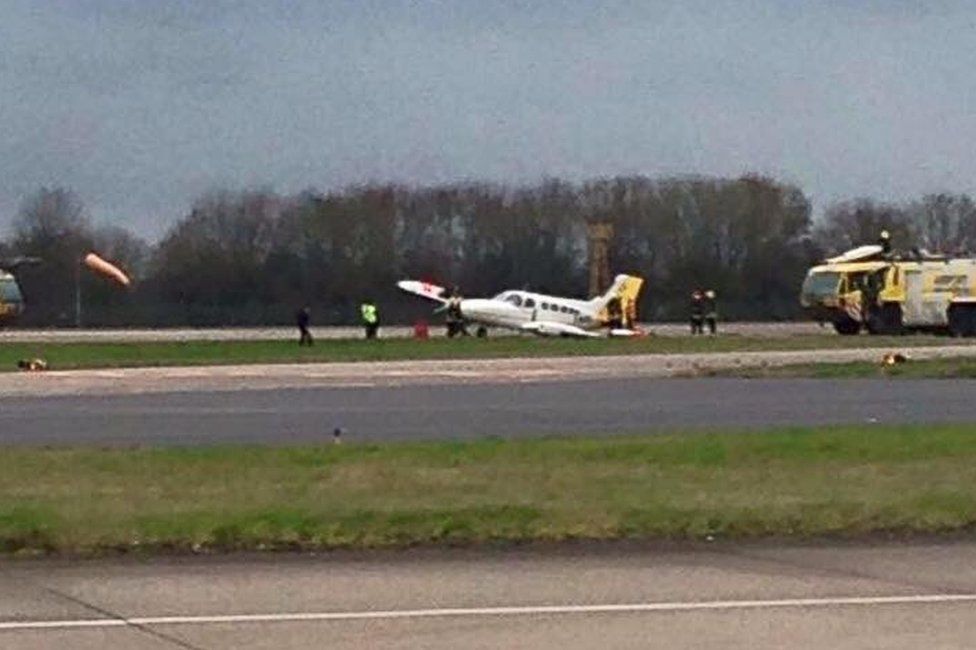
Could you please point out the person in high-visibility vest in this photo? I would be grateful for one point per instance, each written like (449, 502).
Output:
(371, 318)
(455, 319)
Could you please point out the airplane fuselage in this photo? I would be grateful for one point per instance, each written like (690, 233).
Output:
(542, 314)
(513, 309)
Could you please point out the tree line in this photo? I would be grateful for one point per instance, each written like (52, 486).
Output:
(255, 257)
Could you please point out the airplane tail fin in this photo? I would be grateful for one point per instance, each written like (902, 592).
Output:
(626, 289)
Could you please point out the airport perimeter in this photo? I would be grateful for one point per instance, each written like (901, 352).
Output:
(262, 501)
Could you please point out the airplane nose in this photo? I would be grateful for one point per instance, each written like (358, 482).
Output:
(467, 309)
(471, 308)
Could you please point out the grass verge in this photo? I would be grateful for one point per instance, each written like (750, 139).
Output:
(922, 369)
(109, 355)
(793, 482)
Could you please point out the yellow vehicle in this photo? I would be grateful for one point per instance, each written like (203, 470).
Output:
(11, 300)
(865, 289)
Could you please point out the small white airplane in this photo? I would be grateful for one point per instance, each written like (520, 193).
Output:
(544, 315)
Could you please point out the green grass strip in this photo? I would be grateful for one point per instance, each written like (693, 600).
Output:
(923, 369)
(111, 355)
(790, 482)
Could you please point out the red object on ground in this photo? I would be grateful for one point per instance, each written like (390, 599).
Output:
(420, 330)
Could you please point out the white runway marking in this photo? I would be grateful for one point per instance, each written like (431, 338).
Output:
(531, 610)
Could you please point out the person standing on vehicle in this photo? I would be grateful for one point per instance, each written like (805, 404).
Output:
(697, 312)
(711, 311)
(884, 240)
(303, 318)
(371, 318)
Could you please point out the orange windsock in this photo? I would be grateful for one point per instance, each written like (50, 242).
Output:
(109, 270)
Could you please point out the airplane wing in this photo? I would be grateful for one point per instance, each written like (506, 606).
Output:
(550, 328)
(625, 333)
(424, 290)
(15, 263)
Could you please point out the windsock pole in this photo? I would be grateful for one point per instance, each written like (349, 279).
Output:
(78, 294)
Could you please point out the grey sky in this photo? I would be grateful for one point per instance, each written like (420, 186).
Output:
(141, 105)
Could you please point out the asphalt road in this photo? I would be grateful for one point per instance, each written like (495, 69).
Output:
(447, 411)
(725, 596)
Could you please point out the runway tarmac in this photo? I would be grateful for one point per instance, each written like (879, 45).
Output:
(470, 410)
(722, 596)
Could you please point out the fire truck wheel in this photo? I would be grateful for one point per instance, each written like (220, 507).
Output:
(847, 326)
(962, 320)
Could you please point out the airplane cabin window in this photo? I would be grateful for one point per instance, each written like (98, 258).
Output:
(545, 305)
(529, 302)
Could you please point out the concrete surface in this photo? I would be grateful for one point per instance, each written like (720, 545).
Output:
(469, 410)
(836, 597)
(443, 372)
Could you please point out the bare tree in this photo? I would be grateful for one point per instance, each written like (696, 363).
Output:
(52, 225)
(944, 222)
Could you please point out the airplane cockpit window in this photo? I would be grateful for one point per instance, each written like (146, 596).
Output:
(513, 298)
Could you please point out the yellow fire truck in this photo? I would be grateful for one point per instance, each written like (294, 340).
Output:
(11, 301)
(891, 294)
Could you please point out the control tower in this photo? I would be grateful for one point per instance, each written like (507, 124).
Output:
(598, 236)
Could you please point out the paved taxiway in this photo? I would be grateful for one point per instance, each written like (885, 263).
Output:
(428, 372)
(281, 416)
(616, 596)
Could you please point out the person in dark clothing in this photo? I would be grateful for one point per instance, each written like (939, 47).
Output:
(630, 314)
(303, 318)
(697, 312)
(615, 314)
(711, 311)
